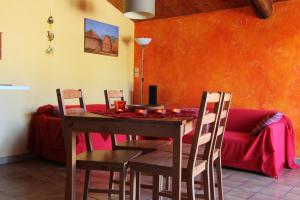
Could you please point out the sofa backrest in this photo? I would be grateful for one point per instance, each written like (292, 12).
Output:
(245, 120)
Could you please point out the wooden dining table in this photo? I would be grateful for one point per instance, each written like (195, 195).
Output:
(169, 127)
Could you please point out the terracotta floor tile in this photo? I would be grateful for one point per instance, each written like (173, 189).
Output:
(291, 196)
(238, 192)
(258, 196)
(296, 191)
(229, 197)
(251, 187)
(42, 180)
(273, 193)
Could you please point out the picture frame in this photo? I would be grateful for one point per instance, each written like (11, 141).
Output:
(101, 38)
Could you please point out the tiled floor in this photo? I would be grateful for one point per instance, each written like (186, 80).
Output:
(41, 180)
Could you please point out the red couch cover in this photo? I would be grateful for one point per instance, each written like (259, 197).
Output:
(266, 153)
(46, 139)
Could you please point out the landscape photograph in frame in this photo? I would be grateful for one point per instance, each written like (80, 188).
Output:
(101, 38)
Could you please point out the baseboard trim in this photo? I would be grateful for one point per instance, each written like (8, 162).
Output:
(16, 158)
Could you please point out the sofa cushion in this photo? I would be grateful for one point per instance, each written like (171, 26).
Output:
(235, 145)
(266, 121)
(245, 120)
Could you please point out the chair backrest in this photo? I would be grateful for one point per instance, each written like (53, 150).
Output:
(111, 96)
(208, 116)
(222, 121)
(63, 95)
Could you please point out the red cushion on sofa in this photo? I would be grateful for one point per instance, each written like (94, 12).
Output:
(235, 144)
(245, 120)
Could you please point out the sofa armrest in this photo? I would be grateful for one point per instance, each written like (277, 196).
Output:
(276, 127)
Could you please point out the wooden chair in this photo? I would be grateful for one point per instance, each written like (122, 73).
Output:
(131, 143)
(216, 156)
(111, 96)
(111, 160)
(160, 162)
(216, 159)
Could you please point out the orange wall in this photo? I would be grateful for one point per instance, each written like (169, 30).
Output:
(232, 50)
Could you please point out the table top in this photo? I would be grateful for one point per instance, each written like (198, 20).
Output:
(96, 117)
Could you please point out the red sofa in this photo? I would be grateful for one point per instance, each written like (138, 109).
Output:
(266, 153)
(46, 139)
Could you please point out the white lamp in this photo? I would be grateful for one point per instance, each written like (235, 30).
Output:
(142, 42)
(139, 9)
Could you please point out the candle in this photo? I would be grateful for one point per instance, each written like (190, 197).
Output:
(176, 110)
(160, 111)
(120, 106)
(141, 111)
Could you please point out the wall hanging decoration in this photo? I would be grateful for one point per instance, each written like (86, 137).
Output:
(101, 38)
(50, 35)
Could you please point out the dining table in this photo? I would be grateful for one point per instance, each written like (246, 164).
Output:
(165, 127)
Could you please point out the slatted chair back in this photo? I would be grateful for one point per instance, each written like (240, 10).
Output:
(62, 95)
(111, 96)
(208, 117)
(69, 94)
(222, 121)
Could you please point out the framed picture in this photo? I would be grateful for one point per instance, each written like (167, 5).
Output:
(101, 38)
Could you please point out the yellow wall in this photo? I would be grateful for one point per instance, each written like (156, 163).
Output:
(25, 62)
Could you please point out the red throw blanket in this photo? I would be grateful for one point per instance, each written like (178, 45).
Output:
(267, 153)
(266, 147)
(46, 138)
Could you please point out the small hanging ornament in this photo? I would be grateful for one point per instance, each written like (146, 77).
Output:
(50, 19)
(50, 34)
(49, 50)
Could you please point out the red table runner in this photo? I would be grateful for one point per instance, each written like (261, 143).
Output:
(185, 112)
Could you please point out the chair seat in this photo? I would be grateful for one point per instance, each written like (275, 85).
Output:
(143, 145)
(103, 158)
(162, 162)
(186, 149)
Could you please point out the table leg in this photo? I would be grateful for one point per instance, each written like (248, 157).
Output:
(177, 150)
(70, 146)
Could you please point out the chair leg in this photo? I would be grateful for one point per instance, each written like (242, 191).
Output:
(86, 184)
(111, 183)
(191, 188)
(219, 177)
(122, 184)
(212, 181)
(138, 186)
(167, 182)
(133, 184)
(156, 187)
(206, 183)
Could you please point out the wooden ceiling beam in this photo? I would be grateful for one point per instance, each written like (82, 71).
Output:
(174, 8)
(262, 8)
